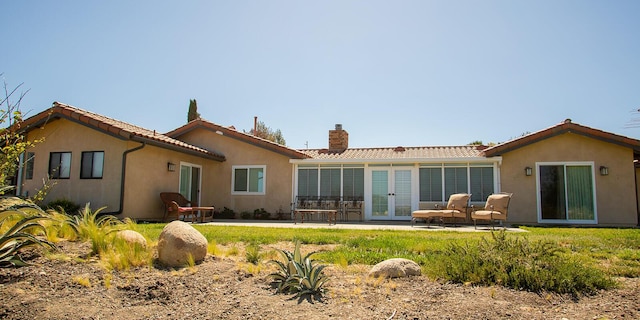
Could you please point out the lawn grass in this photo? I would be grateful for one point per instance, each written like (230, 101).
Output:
(614, 251)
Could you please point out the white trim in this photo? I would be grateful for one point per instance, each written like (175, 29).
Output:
(192, 165)
(565, 164)
(395, 160)
(247, 193)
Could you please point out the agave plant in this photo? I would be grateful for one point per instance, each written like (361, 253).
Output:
(299, 274)
(20, 235)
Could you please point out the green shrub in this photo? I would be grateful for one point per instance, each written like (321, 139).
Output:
(245, 215)
(261, 214)
(299, 274)
(63, 206)
(520, 264)
(226, 213)
(253, 254)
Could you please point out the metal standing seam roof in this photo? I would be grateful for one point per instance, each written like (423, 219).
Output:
(398, 153)
(116, 128)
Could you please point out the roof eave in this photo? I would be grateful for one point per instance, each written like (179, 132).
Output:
(236, 135)
(396, 160)
(205, 155)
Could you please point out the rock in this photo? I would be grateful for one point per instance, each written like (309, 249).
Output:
(395, 268)
(178, 241)
(132, 237)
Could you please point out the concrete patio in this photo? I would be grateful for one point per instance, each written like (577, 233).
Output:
(367, 225)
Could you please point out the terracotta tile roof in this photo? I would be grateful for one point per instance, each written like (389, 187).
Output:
(231, 132)
(117, 128)
(399, 153)
(565, 127)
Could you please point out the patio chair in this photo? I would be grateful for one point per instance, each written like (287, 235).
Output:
(352, 205)
(496, 208)
(175, 204)
(456, 208)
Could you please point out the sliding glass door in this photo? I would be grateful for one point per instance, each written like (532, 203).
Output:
(566, 193)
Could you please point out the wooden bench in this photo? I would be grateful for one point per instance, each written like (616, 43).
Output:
(331, 214)
(175, 205)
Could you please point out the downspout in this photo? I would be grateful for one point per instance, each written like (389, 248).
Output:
(635, 178)
(123, 175)
(19, 178)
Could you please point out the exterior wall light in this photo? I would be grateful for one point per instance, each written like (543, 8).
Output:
(604, 171)
(171, 167)
(528, 171)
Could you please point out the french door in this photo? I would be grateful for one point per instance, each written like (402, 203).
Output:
(391, 193)
(190, 182)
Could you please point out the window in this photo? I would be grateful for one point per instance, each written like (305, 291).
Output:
(431, 184)
(353, 183)
(438, 182)
(330, 182)
(481, 180)
(248, 179)
(455, 181)
(566, 192)
(346, 181)
(91, 165)
(28, 168)
(308, 182)
(60, 165)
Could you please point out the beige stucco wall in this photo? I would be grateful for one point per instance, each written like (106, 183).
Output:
(66, 136)
(615, 193)
(278, 173)
(146, 174)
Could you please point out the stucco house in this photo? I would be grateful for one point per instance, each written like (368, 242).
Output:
(565, 174)
(108, 163)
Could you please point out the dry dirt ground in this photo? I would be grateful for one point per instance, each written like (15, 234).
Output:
(229, 288)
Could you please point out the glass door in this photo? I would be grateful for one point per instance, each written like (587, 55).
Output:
(566, 193)
(390, 194)
(190, 182)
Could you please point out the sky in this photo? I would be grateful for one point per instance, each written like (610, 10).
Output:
(393, 73)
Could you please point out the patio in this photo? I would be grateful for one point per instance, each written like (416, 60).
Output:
(368, 225)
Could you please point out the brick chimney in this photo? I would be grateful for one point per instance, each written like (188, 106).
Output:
(338, 139)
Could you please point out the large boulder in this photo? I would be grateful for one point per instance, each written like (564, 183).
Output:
(178, 241)
(132, 237)
(395, 268)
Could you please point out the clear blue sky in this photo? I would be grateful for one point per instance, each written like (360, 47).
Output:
(410, 73)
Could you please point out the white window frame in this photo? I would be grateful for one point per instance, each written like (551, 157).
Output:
(565, 164)
(248, 167)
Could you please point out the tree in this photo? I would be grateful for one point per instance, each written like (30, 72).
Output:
(264, 132)
(13, 142)
(193, 111)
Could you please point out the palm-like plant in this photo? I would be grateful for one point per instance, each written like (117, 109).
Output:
(299, 274)
(20, 235)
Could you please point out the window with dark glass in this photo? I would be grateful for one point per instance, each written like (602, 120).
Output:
(92, 164)
(481, 180)
(431, 184)
(59, 165)
(249, 179)
(28, 168)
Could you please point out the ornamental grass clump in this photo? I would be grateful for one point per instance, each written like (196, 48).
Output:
(299, 274)
(520, 264)
(99, 229)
